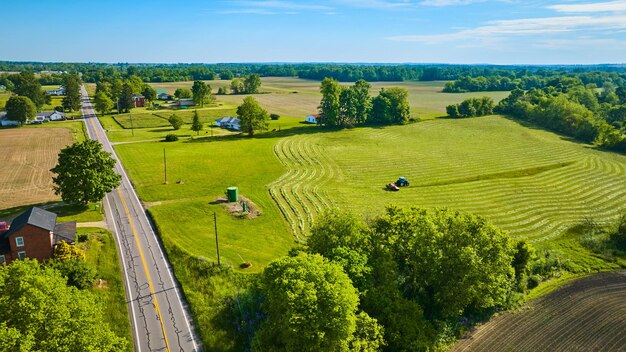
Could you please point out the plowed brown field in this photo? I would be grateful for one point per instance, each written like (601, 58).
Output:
(26, 157)
(587, 315)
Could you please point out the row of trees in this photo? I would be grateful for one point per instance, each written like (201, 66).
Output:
(527, 82)
(94, 72)
(399, 283)
(351, 106)
(574, 110)
(116, 93)
(471, 107)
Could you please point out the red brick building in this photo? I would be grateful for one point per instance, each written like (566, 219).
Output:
(34, 234)
(139, 101)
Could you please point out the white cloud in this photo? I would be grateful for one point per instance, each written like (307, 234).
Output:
(610, 6)
(527, 26)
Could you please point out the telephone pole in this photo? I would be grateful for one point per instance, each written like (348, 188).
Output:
(164, 167)
(217, 244)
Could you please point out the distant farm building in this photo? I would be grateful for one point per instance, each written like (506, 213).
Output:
(4, 122)
(34, 234)
(185, 102)
(57, 92)
(165, 96)
(229, 122)
(139, 101)
(312, 119)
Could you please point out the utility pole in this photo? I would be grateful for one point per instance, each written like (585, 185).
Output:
(164, 167)
(217, 244)
(132, 127)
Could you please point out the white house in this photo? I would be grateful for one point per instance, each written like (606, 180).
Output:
(57, 116)
(229, 122)
(57, 92)
(312, 119)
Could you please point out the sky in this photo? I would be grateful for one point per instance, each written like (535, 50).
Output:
(372, 31)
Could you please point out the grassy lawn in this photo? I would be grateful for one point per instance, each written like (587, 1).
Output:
(102, 255)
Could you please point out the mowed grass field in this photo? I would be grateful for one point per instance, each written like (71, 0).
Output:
(533, 183)
(586, 315)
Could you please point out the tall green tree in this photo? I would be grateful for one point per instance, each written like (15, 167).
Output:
(201, 92)
(20, 109)
(347, 108)
(253, 117)
(449, 261)
(251, 83)
(149, 93)
(71, 101)
(125, 102)
(363, 101)
(329, 108)
(84, 173)
(26, 84)
(39, 312)
(237, 86)
(196, 125)
(103, 103)
(183, 93)
(310, 305)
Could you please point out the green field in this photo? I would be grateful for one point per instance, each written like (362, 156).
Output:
(532, 183)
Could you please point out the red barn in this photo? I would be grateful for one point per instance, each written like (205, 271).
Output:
(139, 101)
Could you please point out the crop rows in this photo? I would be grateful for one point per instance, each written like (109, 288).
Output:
(588, 315)
(533, 188)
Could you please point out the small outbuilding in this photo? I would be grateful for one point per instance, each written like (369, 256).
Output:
(185, 102)
(312, 119)
(229, 122)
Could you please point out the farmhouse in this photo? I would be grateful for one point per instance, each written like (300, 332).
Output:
(185, 102)
(34, 234)
(312, 119)
(229, 122)
(139, 101)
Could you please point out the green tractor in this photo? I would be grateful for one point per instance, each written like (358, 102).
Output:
(402, 182)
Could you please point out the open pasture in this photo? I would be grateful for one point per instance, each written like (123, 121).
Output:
(529, 182)
(27, 156)
(290, 96)
(586, 315)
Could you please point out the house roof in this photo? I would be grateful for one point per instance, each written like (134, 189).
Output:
(45, 113)
(34, 216)
(65, 231)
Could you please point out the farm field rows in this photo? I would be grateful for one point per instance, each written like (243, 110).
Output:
(27, 156)
(587, 315)
(527, 181)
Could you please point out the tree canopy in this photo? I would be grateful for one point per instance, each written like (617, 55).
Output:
(196, 125)
(39, 312)
(85, 173)
(71, 101)
(253, 117)
(103, 103)
(20, 109)
(201, 92)
(310, 305)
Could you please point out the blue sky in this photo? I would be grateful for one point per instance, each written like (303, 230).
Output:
(421, 31)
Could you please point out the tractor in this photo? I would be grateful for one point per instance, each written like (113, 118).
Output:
(402, 182)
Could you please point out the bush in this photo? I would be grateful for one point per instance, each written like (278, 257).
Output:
(619, 236)
(171, 138)
(274, 116)
(78, 273)
(176, 121)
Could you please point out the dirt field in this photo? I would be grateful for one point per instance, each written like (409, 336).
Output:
(587, 315)
(27, 155)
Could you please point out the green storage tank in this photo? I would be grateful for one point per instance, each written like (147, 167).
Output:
(232, 193)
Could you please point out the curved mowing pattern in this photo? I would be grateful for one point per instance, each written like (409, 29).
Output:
(529, 182)
(298, 192)
(588, 315)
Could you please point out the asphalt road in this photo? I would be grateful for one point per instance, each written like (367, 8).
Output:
(159, 317)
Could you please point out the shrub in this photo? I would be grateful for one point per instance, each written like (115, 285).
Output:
(171, 137)
(619, 236)
(176, 121)
(274, 116)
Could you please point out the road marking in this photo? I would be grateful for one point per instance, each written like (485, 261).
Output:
(145, 266)
(119, 243)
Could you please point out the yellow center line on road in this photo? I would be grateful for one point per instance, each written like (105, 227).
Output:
(145, 266)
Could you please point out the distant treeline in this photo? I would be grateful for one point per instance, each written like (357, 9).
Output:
(538, 80)
(497, 77)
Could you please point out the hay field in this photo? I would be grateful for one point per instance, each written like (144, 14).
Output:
(27, 156)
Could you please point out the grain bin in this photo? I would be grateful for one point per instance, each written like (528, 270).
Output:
(232, 193)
